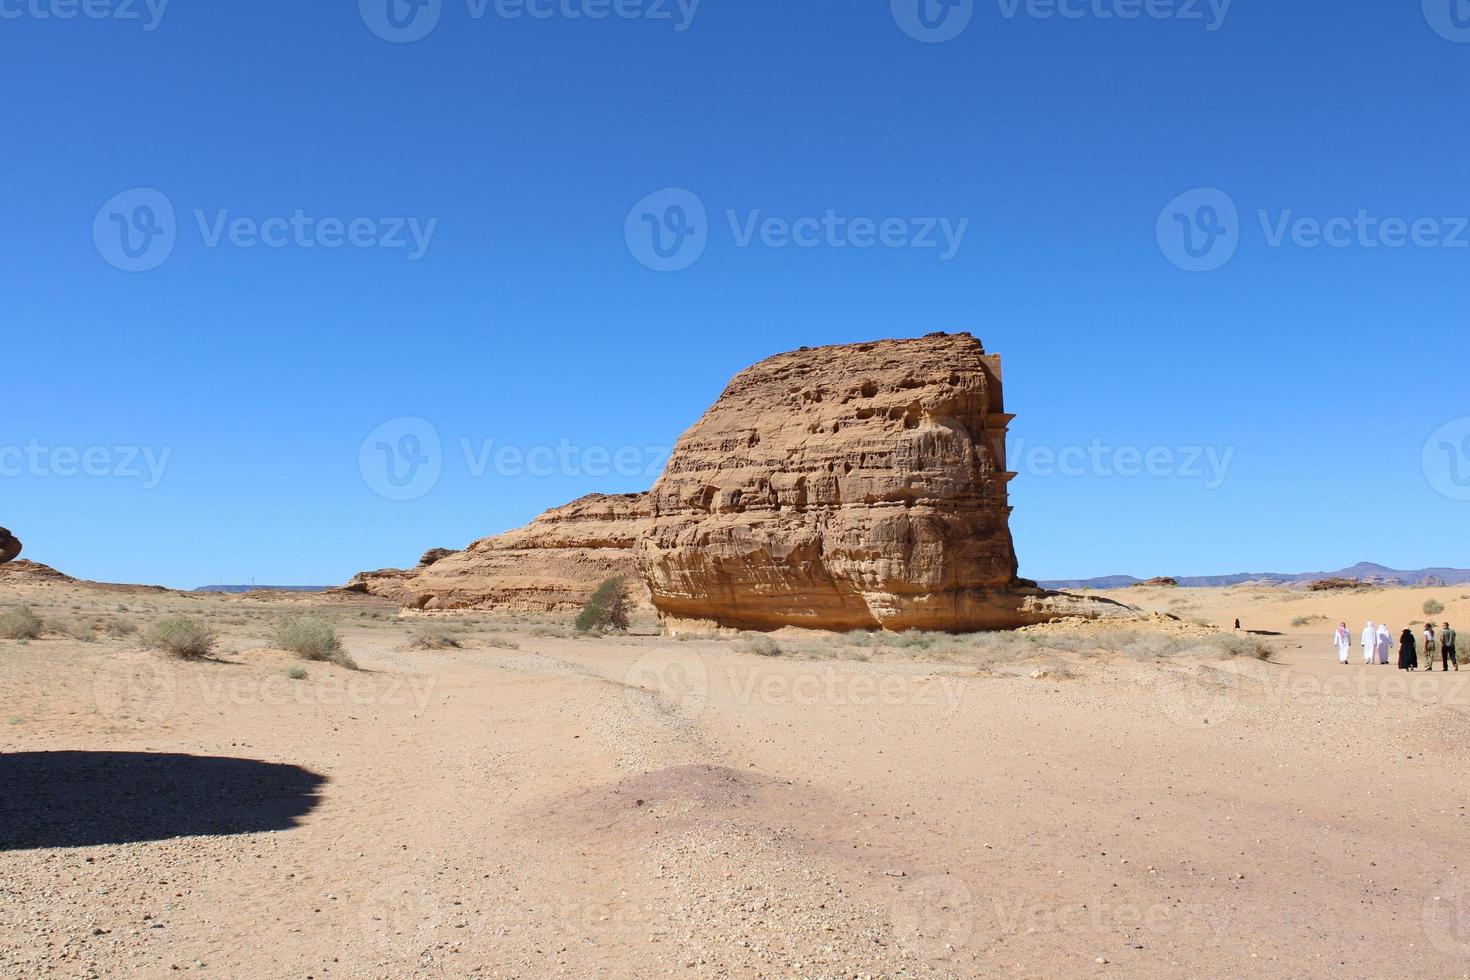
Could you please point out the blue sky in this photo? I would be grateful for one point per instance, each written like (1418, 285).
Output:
(1326, 381)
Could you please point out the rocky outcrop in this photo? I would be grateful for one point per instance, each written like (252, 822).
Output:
(852, 487)
(10, 546)
(550, 565)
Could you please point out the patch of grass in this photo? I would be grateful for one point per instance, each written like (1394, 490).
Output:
(1433, 607)
(500, 644)
(435, 640)
(1309, 620)
(182, 637)
(20, 623)
(759, 644)
(311, 638)
(297, 673)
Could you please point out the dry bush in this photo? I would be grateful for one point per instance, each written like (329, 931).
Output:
(311, 638)
(759, 644)
(435, 640)
(20, 623)
(498, 643)
(182, 637)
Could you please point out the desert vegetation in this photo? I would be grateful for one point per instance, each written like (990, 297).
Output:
(182, 637)
(608, 608)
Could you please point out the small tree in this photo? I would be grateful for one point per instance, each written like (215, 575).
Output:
(608, 607)
(1433, 607)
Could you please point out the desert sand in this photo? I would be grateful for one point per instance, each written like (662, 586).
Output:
(1070, 802)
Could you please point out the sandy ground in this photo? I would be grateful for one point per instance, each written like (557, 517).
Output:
(532, 804)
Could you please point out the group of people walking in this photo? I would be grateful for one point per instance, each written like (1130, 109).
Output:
(1377, 644)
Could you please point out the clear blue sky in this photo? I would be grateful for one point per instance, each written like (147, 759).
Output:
(529, 318)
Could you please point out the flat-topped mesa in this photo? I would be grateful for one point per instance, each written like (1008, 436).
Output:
(853, 487)
(551, 565)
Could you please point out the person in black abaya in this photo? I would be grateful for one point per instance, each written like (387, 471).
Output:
(1408, 651)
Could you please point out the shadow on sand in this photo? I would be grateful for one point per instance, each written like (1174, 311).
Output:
(79, 799)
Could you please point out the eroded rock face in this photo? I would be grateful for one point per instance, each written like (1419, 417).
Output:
(851, 487)
(551, 565)
(10, 546)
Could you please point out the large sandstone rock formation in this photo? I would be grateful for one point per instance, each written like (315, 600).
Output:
(852, 487)
(10, 546)
(551, 565)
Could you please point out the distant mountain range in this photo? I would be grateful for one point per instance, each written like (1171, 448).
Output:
(264, 588)
(1362, 572)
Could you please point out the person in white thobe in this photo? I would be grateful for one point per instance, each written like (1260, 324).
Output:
(1370, 643)
(1343, 641)
(1385, 643)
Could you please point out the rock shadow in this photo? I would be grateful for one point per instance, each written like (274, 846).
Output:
(82, 799)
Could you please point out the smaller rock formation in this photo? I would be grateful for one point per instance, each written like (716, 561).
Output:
(10, 546)
(551, 565)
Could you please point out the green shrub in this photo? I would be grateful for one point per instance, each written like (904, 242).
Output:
(759, 644)
(311, 638)
(1433, 607)
(297, 673)
(608, 607)
(20, 624)
(182, 637)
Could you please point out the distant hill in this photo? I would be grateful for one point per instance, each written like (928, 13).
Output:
(1362, 572)
(264, 588)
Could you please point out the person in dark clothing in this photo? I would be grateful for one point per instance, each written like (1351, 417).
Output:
(1408, 651)
(1447, 648)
